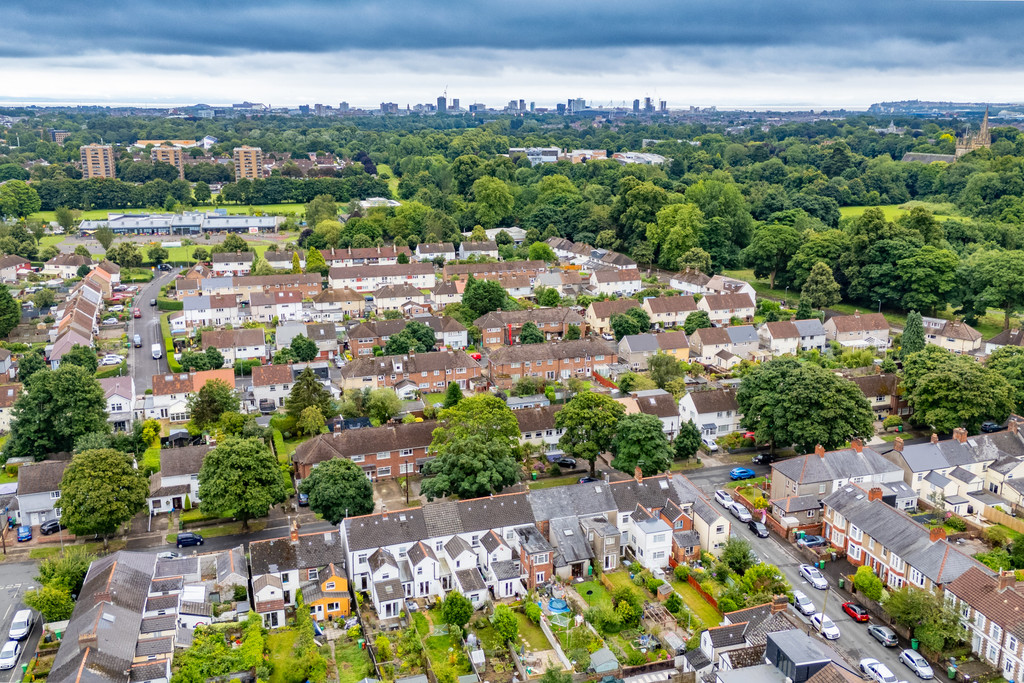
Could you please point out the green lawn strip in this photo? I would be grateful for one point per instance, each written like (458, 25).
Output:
(707, 614)
(93, 547)
(622, 580)
(441, 651)
(422, 624)
(7, 478)
(392, 181)
(430, 399)
(281, 646)
(894, 211)
(489, 638)
(222, 530)
(595, 594)
(688, 464)
(745, 483)
(352, 661)
(531, 633)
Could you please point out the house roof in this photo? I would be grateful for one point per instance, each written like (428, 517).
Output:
(486, 245)
(883, 384)
(232, 339)
(782, 329)
(859, 322)
(373, 531)
(844, 463)
(71, 260)
(671, 304)
(411, 364)
(11, 261)
(435, 248)
(569, 540)
(637, 343)
(282, 554)
(226, 256)
(616, 275)
(811, 327)
(541, 316)
(349, 442)
(714, 400)
(184, 383)
(41, 477)
(953, 329)
(797, 503)
(606, 309)
(176, 462)
(656, 402)
(668, 341)
(536, 419)
(337, 295)
(722, 302)
(381, 270)
(400, 290)
(577, 348)
(728, 635)
(742, 334)
(1004, 607)
(275, 298)
(271, 375)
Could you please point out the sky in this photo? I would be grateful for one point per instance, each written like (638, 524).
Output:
(730, 53)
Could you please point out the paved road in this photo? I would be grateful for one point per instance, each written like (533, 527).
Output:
(141, 363)
(15, 579)
(276, 529)
(710, 478)
(854, 640)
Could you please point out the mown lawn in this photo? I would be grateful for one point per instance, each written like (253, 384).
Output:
(697, 604)
(894, 211)
(94, 548)
(352, 661)
(551, 482)
(221, 530)
(531, 634)
(281, 644)
(595, 594)
(441, 650)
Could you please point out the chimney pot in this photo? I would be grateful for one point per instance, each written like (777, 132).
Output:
(960, 434)
(897, 445)
(779, 604)
(638, 474)
(936, 534)
(875, 494)
(935, 437)
(819, 450)
(293, 534)
(1006, 579)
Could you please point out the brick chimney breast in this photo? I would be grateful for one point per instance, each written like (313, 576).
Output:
(638, 474)
(1005, 580)
(960, 434)
(819, 450)
(936, 534)
(875, 494)
(935, 437)
(897, 444)
(857, 445)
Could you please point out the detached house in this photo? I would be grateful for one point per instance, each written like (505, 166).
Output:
(39, 490)
(599, 313)
(669, 311)
(722, 308)
(859, 331)
(714, 411)
(613, 281)
(955, 336)
(238, 344)
(176, 485)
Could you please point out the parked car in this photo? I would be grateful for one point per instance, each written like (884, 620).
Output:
(802, 603)
(710, 444)
(759, 529)
(50, 527)
(131, 288)
(918, 664)
(740, 512)
(303, 500)
(608, 336)
(989, 426)
(168, 555)
(476, 356)
(825, 626)
(813, 576)
(136, 313)
(566, 462)
(115, 309)
(763, 459)
(110, 321)
(152, 302)
(9, 655)
(877, 671)
(137, 341)
(883, 634)
(812, 541)
(723, 498)
(739, 473)
(21, 625)
(24, 533)
(163, 266)
(587, 480)
(187, 538)
(856, 611)
(111, 359)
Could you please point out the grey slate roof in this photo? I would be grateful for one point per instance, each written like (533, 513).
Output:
(493, 512)
(381, 558)
(578, 499)
(570, 541)
(845, 463)
(686, 539)
(506, 570)
(637, 343)
(727, 636)
(419, 552)
(374, 531)
(960, 474)
(457, 546)
(389, 589)
(280, 554)
(442, 519)
(937, 479)
(742, 334)
(470, 580)
(809, 328)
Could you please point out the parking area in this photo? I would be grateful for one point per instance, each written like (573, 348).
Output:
(17, 577)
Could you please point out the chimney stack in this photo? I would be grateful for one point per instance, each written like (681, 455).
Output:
(638, 474)
(1005, 580)
(293, 534)
(779, 604)
(897, 444)
(960, 434)
(337, 427)
(936, 534)
(1013, 425)
(819, 451)
(86, 640)
(383, 511)
(875, 493)
(857, 445)
(935, 437)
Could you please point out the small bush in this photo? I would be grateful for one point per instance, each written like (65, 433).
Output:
(636, 658)
(555, 470)
(957, 523)
(532, 611)
(674, 603)
(240, 593)
(726, 605)
(653, 584)
(682, 572)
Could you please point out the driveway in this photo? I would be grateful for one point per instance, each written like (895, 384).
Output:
(141, 364)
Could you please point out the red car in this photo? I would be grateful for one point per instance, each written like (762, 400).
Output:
(857, 612)
(475, 356)
(136, 313)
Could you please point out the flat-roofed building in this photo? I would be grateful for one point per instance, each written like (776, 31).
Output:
(248, 162)
(97, 161)
(169, 155)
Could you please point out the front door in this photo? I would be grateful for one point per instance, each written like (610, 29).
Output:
(176, 503)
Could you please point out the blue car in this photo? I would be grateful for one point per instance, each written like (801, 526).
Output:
(24, 533)
(741, 473)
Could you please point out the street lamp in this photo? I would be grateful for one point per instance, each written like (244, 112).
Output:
(879, 305)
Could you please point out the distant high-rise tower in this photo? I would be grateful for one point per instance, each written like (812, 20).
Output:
(636, 106)
(648, 105)
(560, 108)
(442, 104)
(97, 161)
(533, 106)
(319, 110)
(169, 155)
(58, 136)
(663, 107)
(455, 104)
(248, 163)
(522, 105)
(344, 106)
(981, 139)
(304, 109)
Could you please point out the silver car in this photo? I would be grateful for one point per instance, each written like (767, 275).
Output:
(803, 604)
(21, 625)
(739, 512)
(918, 664)
(812, 576)
(9, 655)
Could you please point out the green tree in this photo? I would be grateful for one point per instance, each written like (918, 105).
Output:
(995, 279)
(241, 478)
(310, 422)
(483, 296)
(530, 334)
(803, 310)
(214, 358)
(631, 381)
(865, 581)
(66, 571)
(56, 409)
(737, 556)
(624, 326)
(697, 259)
(10, 312)
(948, 391)
(44, 298)
(505, 623)
(663, 368)
(201, 254)
(303, 348)
(101, 490)
(232, 243)
(688, 441)
(382, 405)
(82, 356)
(18, 199)
(547, 296)
(212, 400)
(698, 320)
(65, 218)
(296, 263)
(404, 343)
(452, 395)
(315, 262)
(52, 602)
(1008, 361)
(771, 249)
(83, 250)
(589, 421)
(125, 254)
(456, 609)
(321, 208)
(492, 201)
(675, 232)
(820, 290)
(928, 277)
(260, 266)
(470, 467)
(337, 488)
(105, 236)
(573, 332)
(157, 254)
(912, 339)
(788, 402)
(640, 442)
(309, 391)
(29, 364)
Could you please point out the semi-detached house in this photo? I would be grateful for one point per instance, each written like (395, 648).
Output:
(385, 452)
(669, 311)
(169, 400)
(714, 411)
(39, 491)
(232, 262)
(177, 482)
(427, 372)
(238, 344)
(579, 358)
(859, 331)
(264, 307)
(722, 308)
(501, 328)
(614, 281)
(217, 310)
(336, 305)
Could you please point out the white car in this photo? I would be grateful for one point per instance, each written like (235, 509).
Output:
(803, 604)
(21, 625)
(110, 321)
(711, 445)
(813, 576)
(608, 336)
(918, 664)
(877, 671)
(9, 655)
(111, 359)
(739, 512)
(825, 626)
(115, 309)
(723, 498)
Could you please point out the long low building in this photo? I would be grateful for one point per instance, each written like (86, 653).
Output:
(190, 223)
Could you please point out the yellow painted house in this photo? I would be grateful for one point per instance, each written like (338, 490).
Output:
(326, 593)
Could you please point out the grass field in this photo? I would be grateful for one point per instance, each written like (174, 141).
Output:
(894, 211)
(393, 182)
(281, 644)
(353, 663)
(232, 209)
(707, 614)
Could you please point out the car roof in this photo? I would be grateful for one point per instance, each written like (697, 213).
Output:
(22, 612)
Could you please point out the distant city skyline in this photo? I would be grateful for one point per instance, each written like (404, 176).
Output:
(794, 54)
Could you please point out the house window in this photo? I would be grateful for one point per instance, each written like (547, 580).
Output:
(361, 559)
(855, 533)
(821, 488)
(1011, 644)
(333, 606)
(720, 529)
(658, 538)
(993, 652)
(329, 585)
(58, 512)
(541, 558)
(810, 513)
(358, 458)
(54, 495)
(383, 471)
(383, 455)
(540, 577)
(284, 577)
(854, 552)
(312, 574)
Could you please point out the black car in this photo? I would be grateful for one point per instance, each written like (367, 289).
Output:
(566, 462)
(763, 459)
(990, 427)
(50, 527)
(187, 538)
(760, 529)
(303, 500)
(587, 480)
(163, 266)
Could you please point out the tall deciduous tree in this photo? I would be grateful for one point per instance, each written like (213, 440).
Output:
(304, 348)
(470, 467)
(241, 477)
(1008, 361)
(101, 490)
(56, 409)
(212, 400)
(640, 442)
(687, 442)
(492, 201)
(483, 296)
(948, 391)
(315, 262)
(771, 249)
(82, 356)
(788, 402)
(995, 279)
(698, 320)
(10, 312)
(530, 333)
(338, 488)
(820, 289)
(382, 405)
(452, 395)
(589, 421)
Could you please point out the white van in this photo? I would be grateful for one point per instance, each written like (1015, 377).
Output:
(158, 351)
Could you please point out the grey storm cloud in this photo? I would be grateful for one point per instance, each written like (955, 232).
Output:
(857, 32)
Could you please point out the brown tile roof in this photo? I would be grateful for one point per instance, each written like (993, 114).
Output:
(711, 335)
(183, 383)
(954, 329)
(486, 245)
(321, 331)
(274, 298)
(284, 280)
(721, 302)
(269, 375)
(349, 442)
(661, 405)
(1008, 338)
(176, 462)
(364, 253)
(338, 294)
(40, 477)
(399, 290)
(536, 419)
(540, 316)
(606, 309)
(1004, 607)
(672, 304)
(381, 270)
(223, 301)
(693, 277)
(673, 340)
(833, 673)
(9, 394)
(75, 260)
(615, 275)
(859, 322)
(577, 348)
(415, 363)
(11, 261)
(225, 256)
(232, 339)
(877, 385)
(495, 267)
(782, 330)
(436, 248)
(714, 400)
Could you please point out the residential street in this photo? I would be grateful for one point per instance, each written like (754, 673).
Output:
(17, 578)
(141, 364)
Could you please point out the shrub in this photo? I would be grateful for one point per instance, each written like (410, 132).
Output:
(682, 572)
(240, 593)
(892, 421)
(957, 523)
(653, 584)
(674, 603)
(532, 611)
(868, 583)
(555, 470)
(636, 658)
(727, 605)
(998, 536)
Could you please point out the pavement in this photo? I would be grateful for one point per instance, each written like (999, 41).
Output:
(17, 577)
(141, 364)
